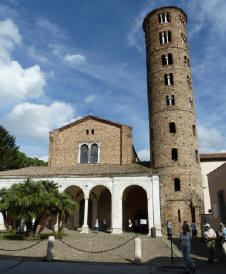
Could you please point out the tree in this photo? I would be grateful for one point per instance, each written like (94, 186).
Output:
(8, 150)
(38, 201)
(11, 157)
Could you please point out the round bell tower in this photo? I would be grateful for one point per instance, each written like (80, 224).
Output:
(173, 130)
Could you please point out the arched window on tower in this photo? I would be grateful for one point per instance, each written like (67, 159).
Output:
(165, 37)
(186, 61)
(177, 184)
(94, 154)
(167, 59)
(163, 17)
(172, 127)
(84, 154)
(196, 156)
(170, 100)
(194, 130)
(174, 154)
(169, 79)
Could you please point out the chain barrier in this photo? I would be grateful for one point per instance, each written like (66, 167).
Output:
(100, 251)
(20, 249)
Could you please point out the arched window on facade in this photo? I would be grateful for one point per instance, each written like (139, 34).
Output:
(172, 127)
(84, 154)
(174, 154)
(94, 154)
(177, 184)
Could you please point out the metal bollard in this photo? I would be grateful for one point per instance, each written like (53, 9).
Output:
(50, 248)
(137, 251)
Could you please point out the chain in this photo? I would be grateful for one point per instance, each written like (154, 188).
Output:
(100, 251)
(23, 248)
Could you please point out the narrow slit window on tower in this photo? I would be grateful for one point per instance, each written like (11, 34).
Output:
(177, 184)
(152, 158)
(191, 102)
(189, 80)
(169, 79)
(183, 39)
(172, 127)
(174, 154)
(196, 156)
(170, 101)
(179, 217)
(186, 61)
(182, 22)
(87, 131)
(194, 130)
(92, 131)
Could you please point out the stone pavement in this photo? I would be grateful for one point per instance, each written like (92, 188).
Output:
(155, 256)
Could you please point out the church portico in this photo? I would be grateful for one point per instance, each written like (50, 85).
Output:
(102, 198)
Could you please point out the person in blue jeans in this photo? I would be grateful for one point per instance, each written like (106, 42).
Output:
(185, 242)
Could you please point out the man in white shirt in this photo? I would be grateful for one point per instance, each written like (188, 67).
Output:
(210, 237)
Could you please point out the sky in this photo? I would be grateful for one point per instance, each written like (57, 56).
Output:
(61, 60)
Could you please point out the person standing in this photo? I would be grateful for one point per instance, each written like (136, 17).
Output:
(193, 229)
(222, 237)
(169, 229)
(210, 237)
(130, 225)
(185, 239)
(104, 225)
(96, 225)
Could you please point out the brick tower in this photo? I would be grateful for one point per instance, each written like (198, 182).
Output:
(173, 135)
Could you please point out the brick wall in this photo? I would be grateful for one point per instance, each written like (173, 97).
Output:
(114, 141)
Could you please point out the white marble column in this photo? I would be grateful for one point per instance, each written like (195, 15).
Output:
(116, 215)
(156, 205)
(85, 228)
(150, 215)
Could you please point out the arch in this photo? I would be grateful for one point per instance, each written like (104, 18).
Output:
(135, 211)
(94, 154)
(102, 206)
(74, 220)
(84, 154)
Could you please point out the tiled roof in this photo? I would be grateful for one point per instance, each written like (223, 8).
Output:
(213, 157)
(80, 170)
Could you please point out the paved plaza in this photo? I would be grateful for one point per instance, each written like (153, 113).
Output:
(156, 256)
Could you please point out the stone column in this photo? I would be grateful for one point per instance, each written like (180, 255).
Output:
(85, 228)
(116, 216)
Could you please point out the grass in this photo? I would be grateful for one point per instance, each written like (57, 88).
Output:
(15, 236)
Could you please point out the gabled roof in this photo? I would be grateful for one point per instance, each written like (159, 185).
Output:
(89, 117)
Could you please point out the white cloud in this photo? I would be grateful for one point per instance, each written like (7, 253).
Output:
(40, 58)
(9, 36)
(18, 83)
(210, 139)
(34, 121)
(90, 98)
(75, 59)
(43, 158)
(144, 155)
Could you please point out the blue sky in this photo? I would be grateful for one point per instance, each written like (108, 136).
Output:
(61, 60)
